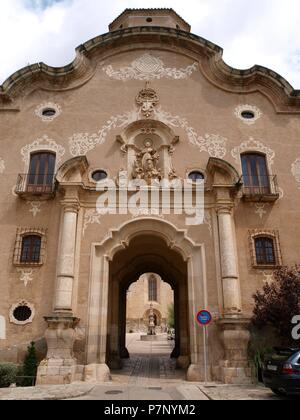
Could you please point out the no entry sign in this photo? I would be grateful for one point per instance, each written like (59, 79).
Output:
(204, 318)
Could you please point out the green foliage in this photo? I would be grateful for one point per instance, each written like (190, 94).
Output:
(171, 316)
(30, 367)
(261, 345)
(8, 374)
(278, 303)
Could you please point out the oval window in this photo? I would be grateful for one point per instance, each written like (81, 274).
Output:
(196, 176)
(22, 313)
(149, 20)
(248, 115)
(49, 112)
(99, 176)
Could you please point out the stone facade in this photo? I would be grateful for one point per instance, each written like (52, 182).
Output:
(155, 102)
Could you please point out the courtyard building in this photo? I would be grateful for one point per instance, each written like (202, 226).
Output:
(83, 256)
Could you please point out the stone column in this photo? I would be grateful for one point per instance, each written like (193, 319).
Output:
(234, 328)
(115, 361)
(230, 280)
(124, 353)
(96, 369)
(60, 366)
(66, 262)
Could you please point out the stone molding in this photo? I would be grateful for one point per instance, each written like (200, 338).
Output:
(268, 82)
(242, 108)
(253, 145)
(13, 320)
(42, 144)
(27, 231)
(40, 108)
(268, 233)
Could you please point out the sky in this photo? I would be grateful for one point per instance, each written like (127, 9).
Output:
(265, 32)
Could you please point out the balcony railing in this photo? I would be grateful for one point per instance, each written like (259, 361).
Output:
(35, 184)
(260, 188)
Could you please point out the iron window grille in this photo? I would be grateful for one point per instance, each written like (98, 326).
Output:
(30, 247)
(265, 248)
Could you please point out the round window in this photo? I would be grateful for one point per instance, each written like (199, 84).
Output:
(99, 176)
(149, 20)
(49, 112)
(196, 176)
(22, 313)
(248, 115)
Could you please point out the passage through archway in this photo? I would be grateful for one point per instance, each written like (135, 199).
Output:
(146, 254)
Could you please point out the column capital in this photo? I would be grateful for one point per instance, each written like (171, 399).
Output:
(70, 205)
(224, 208)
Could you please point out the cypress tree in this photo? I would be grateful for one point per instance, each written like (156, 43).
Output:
(30, 366)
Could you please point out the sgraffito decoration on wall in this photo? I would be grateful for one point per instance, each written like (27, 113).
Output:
(214, 144)
(252, 109)
(260, 209)
(26, 276)
(36, 207)
(91, 217)
(2, 166)
(42, 144)
(253, 145)
(268, 276)
(208, 222)
(149, 67)
(296, 170)
(48, 111)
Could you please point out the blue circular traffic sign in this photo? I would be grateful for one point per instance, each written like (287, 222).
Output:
(204, 318)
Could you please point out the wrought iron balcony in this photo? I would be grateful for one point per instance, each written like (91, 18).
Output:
(29, 185)
(260, 188)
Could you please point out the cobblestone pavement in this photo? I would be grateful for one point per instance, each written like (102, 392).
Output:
(149, 374)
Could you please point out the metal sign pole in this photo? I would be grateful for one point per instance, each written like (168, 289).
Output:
(204, 318)
(205, 353)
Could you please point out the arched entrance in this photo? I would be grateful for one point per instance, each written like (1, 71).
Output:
(145, 253)
(142, 246)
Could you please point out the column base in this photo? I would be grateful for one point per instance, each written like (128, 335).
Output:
(97, 373)
(241, 375)
(58, 372)
(195, 374)
(60, 367)
(235, 369)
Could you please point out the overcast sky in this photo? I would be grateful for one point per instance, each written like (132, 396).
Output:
(265, 32)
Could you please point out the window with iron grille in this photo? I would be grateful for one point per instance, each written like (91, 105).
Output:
(265, 248)
(30, 247)
(152, 282)
(265, 251)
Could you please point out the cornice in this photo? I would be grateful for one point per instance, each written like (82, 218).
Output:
(256, 79)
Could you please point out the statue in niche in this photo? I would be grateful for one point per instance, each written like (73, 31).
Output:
(146, 164)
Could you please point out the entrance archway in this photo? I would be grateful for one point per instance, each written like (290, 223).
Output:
(142, 246)
(146, 253)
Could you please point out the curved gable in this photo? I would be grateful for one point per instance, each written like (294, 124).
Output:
(209, 56)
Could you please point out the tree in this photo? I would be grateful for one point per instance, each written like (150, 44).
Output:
(279, 302)
(30, 366)
(171, 316)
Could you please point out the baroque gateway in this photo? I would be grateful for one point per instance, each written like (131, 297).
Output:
(153, 101)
